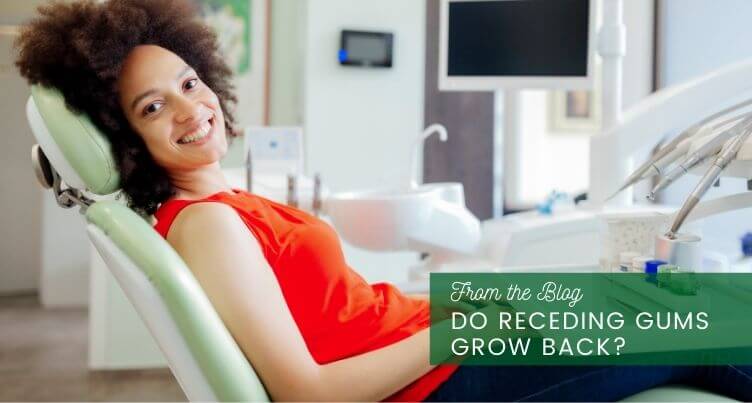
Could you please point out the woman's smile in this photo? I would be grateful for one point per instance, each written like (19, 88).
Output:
(199, 134)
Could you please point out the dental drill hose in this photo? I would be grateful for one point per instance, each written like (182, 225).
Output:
(677, 147)
(706, 151)
(637, 175)
(658, 167)
(727, 154)
(678, 172)
(692, 201)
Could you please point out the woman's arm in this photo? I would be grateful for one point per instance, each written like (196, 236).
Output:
(422, 297)
(228, 262)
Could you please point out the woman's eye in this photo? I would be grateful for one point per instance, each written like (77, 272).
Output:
(152, 107)
(190, 83)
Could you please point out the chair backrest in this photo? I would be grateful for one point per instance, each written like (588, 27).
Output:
(200, 351)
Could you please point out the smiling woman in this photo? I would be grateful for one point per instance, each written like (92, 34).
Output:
(175, 113)
(149, 75)
(83, 49)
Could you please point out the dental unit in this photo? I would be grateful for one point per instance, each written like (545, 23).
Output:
(658, 167)
(428, 218)
(679, 146)
(699, 110)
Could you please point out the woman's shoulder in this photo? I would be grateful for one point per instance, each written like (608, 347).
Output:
(173, 215)
(204, 215)
(206, 210)
(212, 235)
(170, 209)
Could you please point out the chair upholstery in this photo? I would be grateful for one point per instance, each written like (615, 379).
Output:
(205, 359)
(77, 150)
(677, 393)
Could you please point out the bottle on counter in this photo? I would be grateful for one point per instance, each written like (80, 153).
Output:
(638, 263)
(744, 263)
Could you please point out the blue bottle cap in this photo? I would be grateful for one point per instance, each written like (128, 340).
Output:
(747, 244)
(545, 208)
(651, 266)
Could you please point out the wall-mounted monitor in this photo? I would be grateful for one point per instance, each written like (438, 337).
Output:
(486, 45)
(366, 48)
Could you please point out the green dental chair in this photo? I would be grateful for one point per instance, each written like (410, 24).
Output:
(74, 160)
(72, 157)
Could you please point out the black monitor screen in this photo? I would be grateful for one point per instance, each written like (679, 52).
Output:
(518, 38)
(371, 48)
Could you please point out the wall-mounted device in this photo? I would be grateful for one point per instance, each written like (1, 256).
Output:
(365, 48)
(495, 44)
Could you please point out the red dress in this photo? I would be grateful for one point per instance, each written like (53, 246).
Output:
(338, 313)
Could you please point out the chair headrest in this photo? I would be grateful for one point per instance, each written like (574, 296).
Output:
(77, 150)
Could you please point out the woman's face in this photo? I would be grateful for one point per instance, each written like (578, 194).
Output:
(176, 114)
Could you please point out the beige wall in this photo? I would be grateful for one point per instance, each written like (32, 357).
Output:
(359, 123)
(20, 196)
(286, 70)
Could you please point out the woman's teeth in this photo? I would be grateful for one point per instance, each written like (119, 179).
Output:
(202, 132)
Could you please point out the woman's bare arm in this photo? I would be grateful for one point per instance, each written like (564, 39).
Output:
(228, 262)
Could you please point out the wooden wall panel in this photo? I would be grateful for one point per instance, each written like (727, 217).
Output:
(467, 156)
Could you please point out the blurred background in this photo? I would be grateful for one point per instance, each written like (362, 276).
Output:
(66, 334)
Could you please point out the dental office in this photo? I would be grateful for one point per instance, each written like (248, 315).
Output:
(261, 200)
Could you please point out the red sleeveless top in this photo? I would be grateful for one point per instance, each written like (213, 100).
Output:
(338, 313)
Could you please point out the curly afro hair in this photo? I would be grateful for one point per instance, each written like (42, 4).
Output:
(79, 49)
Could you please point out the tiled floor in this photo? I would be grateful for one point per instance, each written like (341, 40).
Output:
(43, 356)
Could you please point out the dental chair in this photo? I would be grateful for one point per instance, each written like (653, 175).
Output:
(72, 157)
(74, 160)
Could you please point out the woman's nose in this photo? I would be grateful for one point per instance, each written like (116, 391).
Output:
(187, 110)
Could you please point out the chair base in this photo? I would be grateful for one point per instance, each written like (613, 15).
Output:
(677, 393)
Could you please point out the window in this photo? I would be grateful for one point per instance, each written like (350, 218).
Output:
(540, 157)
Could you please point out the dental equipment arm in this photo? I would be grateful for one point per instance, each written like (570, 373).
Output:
(729, 151)
(643, 170)
(658, 167)
(707, 150)
(721, 92)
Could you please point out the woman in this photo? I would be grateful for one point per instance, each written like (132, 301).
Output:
(149, 75)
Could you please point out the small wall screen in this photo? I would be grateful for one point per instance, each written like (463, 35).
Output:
(367, 49)
(518, 38)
